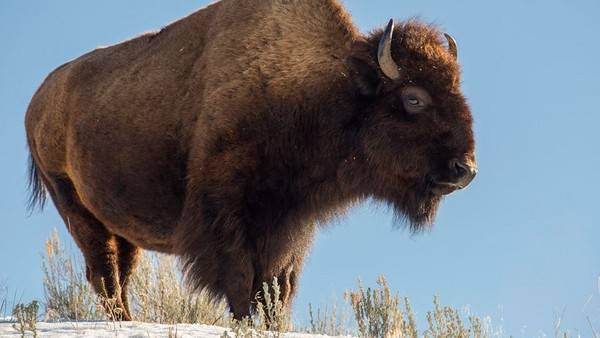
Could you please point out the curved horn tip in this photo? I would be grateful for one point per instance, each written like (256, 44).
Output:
(390, 26)
(384, 54)
(452, 45)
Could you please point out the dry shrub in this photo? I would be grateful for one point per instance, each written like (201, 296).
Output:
(157, 295)
(271, 314)
(447, 322)
(327, 322)
(26, 317)
(271, 319)
(156, 292)
(378, 313)
(68, 295)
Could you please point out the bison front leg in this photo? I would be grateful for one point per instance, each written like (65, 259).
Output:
(213, 250)
(214, 263)
(237, 283)
(283, 264)
(233, 234)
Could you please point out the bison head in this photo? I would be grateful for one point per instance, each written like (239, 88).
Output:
(417, 138)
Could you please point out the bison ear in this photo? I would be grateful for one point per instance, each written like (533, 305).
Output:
(365, 77)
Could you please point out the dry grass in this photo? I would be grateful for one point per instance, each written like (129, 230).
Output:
(157, 295)
(68, 296)
(381, 314)
(26, 317)
(272, 318)
(3, 300)
(156, 292)
(378, 313)
(329, 321)
(445, 321)
(271, 314)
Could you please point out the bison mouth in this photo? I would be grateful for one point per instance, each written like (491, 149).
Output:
(443, 188)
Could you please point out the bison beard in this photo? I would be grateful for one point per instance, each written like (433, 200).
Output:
(415, 206)
(228, 136)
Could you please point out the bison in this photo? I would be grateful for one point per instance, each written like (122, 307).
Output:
(229, 136)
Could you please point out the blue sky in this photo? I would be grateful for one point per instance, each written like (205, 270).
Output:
(520, 244)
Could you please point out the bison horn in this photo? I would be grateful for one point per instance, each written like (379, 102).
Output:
(384, 54)
(452, 46)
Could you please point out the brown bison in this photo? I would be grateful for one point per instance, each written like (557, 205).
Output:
(228, 136)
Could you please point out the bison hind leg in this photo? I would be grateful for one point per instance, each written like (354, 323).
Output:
(128, 257)
(100, 248)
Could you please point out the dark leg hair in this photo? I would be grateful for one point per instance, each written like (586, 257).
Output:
(128, 259)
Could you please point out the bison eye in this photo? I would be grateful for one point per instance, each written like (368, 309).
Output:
(415, 99)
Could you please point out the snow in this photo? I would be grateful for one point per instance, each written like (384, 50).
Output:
(124, 329)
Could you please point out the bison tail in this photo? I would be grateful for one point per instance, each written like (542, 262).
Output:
(37, 190)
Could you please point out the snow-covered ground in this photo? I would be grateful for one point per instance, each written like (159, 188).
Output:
(125, 329)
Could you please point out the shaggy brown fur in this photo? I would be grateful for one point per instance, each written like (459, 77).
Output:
(226, 137)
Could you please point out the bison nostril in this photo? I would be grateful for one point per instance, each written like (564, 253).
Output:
(459, 168)
(463, 172)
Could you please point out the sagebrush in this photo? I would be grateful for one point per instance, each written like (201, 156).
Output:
(156, 291)
(158, 295)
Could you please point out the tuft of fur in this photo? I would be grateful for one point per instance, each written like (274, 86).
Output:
(35, 186)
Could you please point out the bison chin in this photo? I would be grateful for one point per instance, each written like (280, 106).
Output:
(416, 206)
